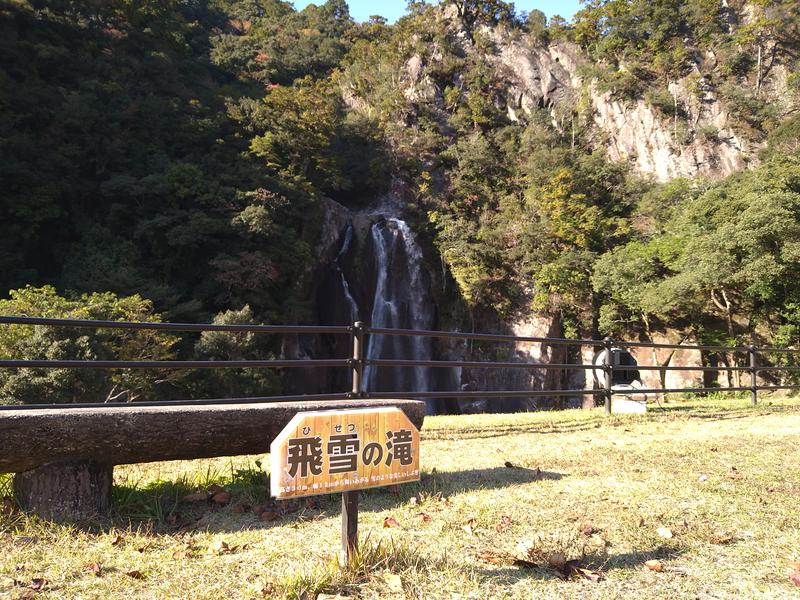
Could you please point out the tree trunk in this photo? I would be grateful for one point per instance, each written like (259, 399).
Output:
(67, 491)
(759, 76)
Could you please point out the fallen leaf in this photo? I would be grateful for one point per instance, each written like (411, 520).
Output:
(390, 522)
(393, 582)
(665, 532)
(469, 527)
(426, 518)
(589, 530)
(268, 589)
(220, 547)
(504, 524)
(510, 465)
(94, 567)
(641, 521)
(722, 538)
(135, 574)
(795, 578)
(587, 574)
(495, 558)
(196, 497)
(413, 501)
(654, 565)
(221, 498)
(38, 583)
(269, 515)
(214, 489)
(557, 560)
(239, 509)
(117, 540)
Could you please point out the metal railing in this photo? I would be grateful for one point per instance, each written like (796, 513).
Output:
(358, 361)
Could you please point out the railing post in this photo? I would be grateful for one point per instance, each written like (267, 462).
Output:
(608, 369)
(751, 350)
(358, 360)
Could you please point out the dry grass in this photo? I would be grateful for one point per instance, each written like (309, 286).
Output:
(721, 476)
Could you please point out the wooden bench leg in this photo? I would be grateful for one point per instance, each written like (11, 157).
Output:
(68, 491)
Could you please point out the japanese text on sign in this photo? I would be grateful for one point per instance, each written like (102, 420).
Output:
(331, 451)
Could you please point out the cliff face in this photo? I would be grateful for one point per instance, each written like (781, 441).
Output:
(633, 131)
(703, 141)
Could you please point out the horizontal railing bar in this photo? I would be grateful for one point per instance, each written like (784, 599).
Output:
(789, 350)
(471, 364)
(170, 364)
(533, 393)
(674, 368)
(621, 344)
(200, 402)
(778, 387)
(80, 323)
(489, 337)
(515, 365)
(484, 394)
(680, 390)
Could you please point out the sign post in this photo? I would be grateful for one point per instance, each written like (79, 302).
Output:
(324, 452)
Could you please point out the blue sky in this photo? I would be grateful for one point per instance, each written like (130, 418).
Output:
(393, 9)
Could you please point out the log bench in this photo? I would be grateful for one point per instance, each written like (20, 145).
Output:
(64, 458)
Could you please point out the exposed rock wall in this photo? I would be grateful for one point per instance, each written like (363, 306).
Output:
(634, 131)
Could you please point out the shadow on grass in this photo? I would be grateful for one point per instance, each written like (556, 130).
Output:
(163, 505)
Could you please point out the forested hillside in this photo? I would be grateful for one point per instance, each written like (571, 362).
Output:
(633, 170)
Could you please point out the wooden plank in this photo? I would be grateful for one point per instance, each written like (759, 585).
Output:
(131, 434)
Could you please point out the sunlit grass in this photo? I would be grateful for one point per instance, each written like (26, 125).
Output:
(719, 474)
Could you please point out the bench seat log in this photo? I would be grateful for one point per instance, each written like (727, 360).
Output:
(30, 438)
(64, 457)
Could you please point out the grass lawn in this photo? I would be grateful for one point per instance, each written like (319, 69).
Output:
(707, 491)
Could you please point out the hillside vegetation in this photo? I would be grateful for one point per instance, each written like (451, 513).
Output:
(181, 152)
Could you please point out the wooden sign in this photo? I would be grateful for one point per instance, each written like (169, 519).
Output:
(343, 450)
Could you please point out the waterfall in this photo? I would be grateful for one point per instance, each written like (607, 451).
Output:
(348, 239)
(401, 301)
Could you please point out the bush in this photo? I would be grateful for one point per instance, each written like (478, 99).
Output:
(37, 385)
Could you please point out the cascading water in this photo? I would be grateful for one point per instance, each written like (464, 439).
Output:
(348, 239)
(401, 301)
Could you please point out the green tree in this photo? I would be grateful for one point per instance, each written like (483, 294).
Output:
(65, 385)
(226, 345)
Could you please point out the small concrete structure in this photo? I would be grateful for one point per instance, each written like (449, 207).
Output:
(625, 383)
(626, 399)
